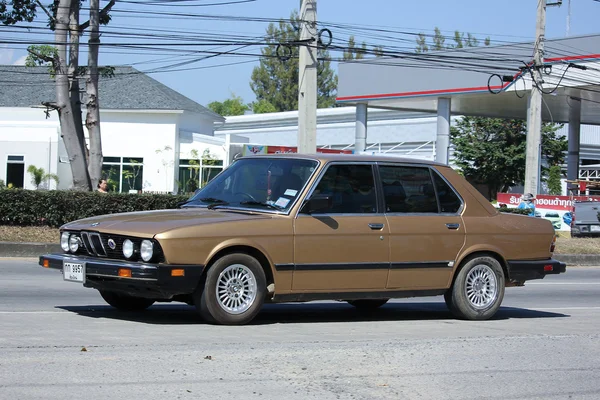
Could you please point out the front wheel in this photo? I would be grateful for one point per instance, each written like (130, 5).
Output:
(234, 291)
(478, 289)
(125, 302)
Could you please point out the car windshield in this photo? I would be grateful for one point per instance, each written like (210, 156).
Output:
(258, 183)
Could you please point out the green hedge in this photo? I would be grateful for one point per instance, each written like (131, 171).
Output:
(522, 211)
(57, 207)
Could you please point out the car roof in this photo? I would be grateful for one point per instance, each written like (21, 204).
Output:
(327, 157)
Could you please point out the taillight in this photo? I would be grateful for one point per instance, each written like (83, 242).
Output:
(553, 245)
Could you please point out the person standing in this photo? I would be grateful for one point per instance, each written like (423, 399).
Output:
(103, 186)
(527, 202)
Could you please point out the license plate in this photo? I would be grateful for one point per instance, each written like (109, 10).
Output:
(74, 272)
(594, 228)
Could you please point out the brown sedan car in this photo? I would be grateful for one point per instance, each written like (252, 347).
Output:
(290, 228)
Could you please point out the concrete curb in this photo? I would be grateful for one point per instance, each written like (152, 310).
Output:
(579, 259)
(15, 249)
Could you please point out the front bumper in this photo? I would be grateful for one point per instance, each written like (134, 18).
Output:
(525, 270)
(147, 280)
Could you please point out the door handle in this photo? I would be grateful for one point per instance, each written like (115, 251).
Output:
(376, 226)
(452, 226)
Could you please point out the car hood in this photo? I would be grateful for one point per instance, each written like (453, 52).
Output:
(150, 223)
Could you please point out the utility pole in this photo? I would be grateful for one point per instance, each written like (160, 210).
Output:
(534, 122)
(569, 19)
(307, 78)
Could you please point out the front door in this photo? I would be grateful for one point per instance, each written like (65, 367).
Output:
(344, 247)
(426, 229)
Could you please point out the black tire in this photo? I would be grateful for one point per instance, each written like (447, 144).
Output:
(486, 289)
(368, 304)
(125, 302)
(215, 311)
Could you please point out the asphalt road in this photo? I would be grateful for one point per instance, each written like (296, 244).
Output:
(543, 344)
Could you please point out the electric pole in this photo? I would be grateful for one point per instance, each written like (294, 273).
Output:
(307, 78)
(569, 19)
(534, 122)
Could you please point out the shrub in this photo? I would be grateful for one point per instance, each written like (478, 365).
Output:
(523, 211)
(57, 207)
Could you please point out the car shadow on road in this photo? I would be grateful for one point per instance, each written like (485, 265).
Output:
(290, 313)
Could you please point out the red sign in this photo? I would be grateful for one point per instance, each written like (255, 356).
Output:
(290, 149)
(545, 201)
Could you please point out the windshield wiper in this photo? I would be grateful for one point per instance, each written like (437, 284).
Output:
(214, 202)
(261, 203)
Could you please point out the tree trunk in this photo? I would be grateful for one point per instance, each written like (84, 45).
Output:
(74, 88)
(63, 102)
(92, 120)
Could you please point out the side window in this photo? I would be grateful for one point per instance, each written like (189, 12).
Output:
(351, 187)
(449, 201)
(408, 189)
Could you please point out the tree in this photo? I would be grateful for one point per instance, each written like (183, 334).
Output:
(422, 46)
(39, 175)
(232, 106)
(439, 41)
(553, 180)
(491, 151)
(63, 19)
(263, 107)
(352, 52)
(276, 79)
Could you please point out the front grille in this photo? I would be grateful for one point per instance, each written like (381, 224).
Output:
(101, 245)
(93, 244)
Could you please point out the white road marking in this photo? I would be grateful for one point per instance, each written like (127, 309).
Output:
(561, 283)
(35, 312)
(562, 308)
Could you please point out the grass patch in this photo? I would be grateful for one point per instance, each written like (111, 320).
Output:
(28, 234)
(568, 245)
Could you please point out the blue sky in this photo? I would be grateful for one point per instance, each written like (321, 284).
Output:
(505, 20)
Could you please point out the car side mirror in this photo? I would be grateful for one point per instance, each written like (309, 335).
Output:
(317, 202)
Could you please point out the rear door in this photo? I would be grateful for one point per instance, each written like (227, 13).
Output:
(426, 228)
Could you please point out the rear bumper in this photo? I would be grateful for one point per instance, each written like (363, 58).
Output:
(147, 280)
(525, 270)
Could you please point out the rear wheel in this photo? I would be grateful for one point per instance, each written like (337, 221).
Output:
(478, 289)
(234, 291)
(125, 302)
(368, 304)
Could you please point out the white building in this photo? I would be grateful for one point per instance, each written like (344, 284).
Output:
(149, 131)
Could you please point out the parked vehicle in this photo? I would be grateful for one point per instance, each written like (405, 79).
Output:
(567, 218)
(585, 220)
(294, 228)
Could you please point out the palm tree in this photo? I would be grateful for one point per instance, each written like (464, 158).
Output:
(39, 175)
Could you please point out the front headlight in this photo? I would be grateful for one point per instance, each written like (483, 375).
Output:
(73, 243)
(64, 241)
(147, 250)
(128, 248)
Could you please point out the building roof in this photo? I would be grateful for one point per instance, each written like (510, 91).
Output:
(469, 76)
(129, 89)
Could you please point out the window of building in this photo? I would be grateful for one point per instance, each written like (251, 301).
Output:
(195, 173)
(15, 171)
(408, 189)
(123, 174)
(351, 187)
